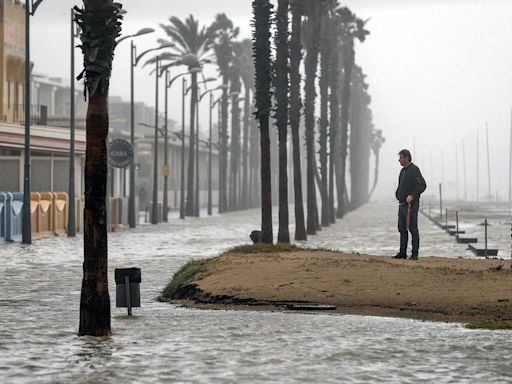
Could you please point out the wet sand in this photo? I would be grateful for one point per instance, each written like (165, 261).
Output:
(433, 288)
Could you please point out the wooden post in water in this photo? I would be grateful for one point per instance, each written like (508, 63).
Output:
(446, 220)
(488, 160)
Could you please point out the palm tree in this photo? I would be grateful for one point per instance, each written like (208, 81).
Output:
(325, 79)
(352, 28)
(225, 34)
(312, 34)
(361, 128)
(236, 87)
(281, 86)
(193, 46)
(262, 10)
(100, 23)
(377, 141)
(244, 59)
(297, 8)
(311, 28)
(334, 127)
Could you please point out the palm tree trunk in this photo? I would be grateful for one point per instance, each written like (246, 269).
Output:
(235, 153)
(311, 64)
(281, 83)
(295, 109)
(324, 122)
(97, 17)
(189, 208)
(224, 148)
(262, 55)
(244, 203)
(348, 64)
(334, 126)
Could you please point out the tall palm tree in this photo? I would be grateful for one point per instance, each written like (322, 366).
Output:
(297, 8)
(262, 11)
(244, 59)
(236, 87)
(311, 28)
(100, 23)
(377, 141)
(281, 86)
(325, 77)
(361, 128)
(193, 46)
(312, 36)
(225, 34)
(352, 28)
(334, 126)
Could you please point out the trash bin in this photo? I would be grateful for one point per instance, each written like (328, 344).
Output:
(134, 278)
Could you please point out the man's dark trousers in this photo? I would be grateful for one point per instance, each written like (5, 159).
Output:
(413, 228)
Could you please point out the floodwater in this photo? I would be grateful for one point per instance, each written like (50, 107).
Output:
(40, 292)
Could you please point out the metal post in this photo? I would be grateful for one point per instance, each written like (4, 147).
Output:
(441, 200)
(166, 153)
(182, 192)
(210, 158)
(464, 169)
(457, 225)
(127, 293)
(477, 165)
(27, 223)
(154, 206)
(457, 170)
(131, 199)
(197, 189)
(71, 191)
(510, 171)
(488, 159)
(446, 220)
(485, 251)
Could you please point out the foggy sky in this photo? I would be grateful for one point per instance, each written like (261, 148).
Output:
(437, 69)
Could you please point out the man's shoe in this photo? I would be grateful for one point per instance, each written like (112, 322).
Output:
(400, 256)
(414, 257)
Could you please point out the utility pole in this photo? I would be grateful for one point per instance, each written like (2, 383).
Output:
(510, 171)
(457, 170)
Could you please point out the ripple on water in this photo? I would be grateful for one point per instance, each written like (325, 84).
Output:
(40, 292)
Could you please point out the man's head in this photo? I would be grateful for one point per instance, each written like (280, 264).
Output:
(405, 157)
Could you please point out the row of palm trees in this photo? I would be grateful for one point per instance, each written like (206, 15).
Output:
(196, 46)
(322, 35)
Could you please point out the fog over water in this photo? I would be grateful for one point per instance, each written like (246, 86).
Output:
(438, 70)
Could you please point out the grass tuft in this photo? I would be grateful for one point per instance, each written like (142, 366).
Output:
(490, 325)
(192, 271)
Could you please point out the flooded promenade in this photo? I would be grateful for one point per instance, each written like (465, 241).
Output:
(40, 291)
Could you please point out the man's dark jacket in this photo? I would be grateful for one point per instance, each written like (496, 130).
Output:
(410, 182)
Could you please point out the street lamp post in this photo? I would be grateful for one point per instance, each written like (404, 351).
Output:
(182, 181)
(154, 205)
(30, 10)
(134, 61)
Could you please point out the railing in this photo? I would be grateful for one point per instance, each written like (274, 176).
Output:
(38, 114)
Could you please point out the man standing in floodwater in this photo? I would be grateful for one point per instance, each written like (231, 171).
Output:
(411, 185)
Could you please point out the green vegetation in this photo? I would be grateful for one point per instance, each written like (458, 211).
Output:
(264, 248)
(192, 271)
(491, 325)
